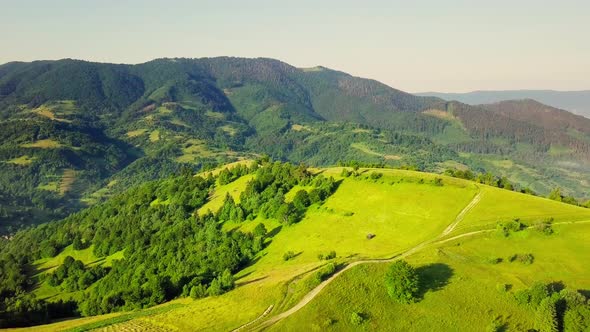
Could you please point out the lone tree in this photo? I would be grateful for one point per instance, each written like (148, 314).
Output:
(402, 282)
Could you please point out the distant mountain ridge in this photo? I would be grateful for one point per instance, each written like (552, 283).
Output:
(574, 101)
(73, 133)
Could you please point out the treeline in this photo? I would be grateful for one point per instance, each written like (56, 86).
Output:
(169, 250)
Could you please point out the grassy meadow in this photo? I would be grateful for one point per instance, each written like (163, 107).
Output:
(402, 209)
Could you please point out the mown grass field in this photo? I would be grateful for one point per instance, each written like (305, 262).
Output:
(402, 209)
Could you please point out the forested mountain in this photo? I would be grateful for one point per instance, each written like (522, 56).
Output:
(577, 102)
(76, 132)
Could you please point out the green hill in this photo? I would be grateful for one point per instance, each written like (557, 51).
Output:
(116, 126)
(319, 260)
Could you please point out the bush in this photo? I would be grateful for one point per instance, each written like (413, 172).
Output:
(357, 318)
(345, 173)
(512, 226)
(402, 282)
(376, 175)
(288, 255)
(522, 258)
(327, 256)
(544, 227)
(502, 287)
(438, 182)
(494, 326)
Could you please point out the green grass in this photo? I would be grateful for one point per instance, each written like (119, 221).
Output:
(50, 186)
(234, 189)
(48, 265)
(43, 144)
(22, 160)
(457, 278)
(501, 205)
(403, 209)
(155, 136)
(136, 133)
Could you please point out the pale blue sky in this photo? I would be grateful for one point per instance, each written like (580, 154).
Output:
(418, 45)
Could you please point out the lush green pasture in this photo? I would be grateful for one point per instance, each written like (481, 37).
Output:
(218, 197)
(48, 265)
(402, 209)
(502, 205)
(460, 289)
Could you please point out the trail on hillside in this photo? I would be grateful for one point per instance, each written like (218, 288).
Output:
(437, 240)
(462, 214)
(313, 293)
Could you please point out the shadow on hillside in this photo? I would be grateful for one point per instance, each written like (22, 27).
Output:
(274, 232)
(250, 281)
(433, 277)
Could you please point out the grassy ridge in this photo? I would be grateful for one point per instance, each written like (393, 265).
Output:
(459, 279)
(403, 209)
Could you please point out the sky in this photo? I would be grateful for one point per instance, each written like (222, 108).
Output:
(412, 45)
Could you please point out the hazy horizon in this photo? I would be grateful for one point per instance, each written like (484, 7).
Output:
(440, 46)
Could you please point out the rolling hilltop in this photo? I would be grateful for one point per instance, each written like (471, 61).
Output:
(75, 133)
(271, 246)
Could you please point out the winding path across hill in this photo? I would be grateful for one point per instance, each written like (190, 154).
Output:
(314, 292)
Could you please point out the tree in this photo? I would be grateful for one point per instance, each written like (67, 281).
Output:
(227, 280)
(555, 195)
(402, 282)
(301, 200)
(546, 316)
(215, 288)
(259, 230)
(199, 291)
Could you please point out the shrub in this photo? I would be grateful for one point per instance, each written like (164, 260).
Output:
(494, 260)
(438, 182)
(494, 326)
(522, 258)
(512, 226)
(288, 255)
(345, 173)
(327, 256)
(502, 287)
(357, 318)
(402, 282)
(545, 228)
(375, 175)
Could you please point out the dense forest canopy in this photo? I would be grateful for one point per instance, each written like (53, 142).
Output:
(167, 249)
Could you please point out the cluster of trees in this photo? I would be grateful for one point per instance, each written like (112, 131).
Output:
(557, 195)
(73, 275)
(485, 178)
(228, 175)
(169, 250)
(557, 308)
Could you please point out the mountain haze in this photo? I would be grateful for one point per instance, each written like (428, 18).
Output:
(577, 102)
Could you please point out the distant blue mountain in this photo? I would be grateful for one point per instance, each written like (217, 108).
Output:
(574, 101)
